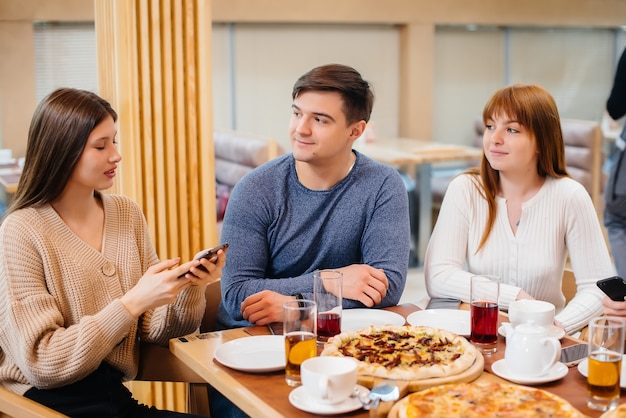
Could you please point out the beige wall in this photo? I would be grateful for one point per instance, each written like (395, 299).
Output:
(599, 13)
(268, 59)
(17, 62)
(17, 84)
(414, 44)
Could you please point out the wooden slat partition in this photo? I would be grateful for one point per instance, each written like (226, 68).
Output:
(154, 67)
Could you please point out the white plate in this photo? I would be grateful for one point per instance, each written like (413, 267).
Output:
(453, 320)
(301, 400)
(554, 331)
(355, 319)
(259, 354)
(556, 372)
(583, 368)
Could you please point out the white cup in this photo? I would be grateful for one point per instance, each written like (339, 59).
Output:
(329, 380)
(537, 311)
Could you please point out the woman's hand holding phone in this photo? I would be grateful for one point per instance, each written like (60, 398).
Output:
(210, 254)
(615, 289)
(157, 286)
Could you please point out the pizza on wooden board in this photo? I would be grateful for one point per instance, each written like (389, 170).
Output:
(404, 352)
(481, 400)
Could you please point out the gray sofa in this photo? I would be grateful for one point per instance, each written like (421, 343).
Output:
(236, 154)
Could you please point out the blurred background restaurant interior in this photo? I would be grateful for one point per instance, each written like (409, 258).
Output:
(569, 47)
(432, 64)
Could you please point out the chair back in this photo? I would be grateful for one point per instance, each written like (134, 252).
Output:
(584, 156)
(213, 294)
(14, 405)
(568, 285)
(157, 363)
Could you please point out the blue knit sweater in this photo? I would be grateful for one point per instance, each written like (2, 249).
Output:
(280, 232)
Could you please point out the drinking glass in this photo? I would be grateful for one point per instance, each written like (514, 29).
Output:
(606, 346)
(299, 329)
(327, 291)
(484, 293)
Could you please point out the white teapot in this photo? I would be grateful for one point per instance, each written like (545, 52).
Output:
(530, 352)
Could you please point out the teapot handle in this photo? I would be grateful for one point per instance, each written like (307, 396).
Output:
(555, 345)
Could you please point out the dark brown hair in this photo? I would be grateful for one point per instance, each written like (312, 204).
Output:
(358, 98)
(57, 136)
(533, 107)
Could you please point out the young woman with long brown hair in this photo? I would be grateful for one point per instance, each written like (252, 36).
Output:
(520, 215)
(80, 282)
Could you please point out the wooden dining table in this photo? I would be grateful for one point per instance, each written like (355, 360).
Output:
(266, 395)
(419, 156)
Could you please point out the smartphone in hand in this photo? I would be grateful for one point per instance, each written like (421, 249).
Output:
(209, 254)
(614, 287)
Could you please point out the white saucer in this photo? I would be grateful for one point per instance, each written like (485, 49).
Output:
(301, 400)
(556, 372)
(554, 331)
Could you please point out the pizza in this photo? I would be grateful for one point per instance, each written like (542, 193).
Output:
(404, 352)
(618, 412)
(469, 400)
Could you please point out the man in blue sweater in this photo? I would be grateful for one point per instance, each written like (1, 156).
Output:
(323, 206)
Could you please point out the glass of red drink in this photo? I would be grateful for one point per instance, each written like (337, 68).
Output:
(327, 291)
(484, 293)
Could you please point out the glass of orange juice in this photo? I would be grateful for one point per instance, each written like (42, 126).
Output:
(606, 347)
(299, 329)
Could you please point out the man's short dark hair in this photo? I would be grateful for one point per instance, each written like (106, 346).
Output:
(358, 98)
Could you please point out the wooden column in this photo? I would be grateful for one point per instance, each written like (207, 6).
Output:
(417, 78)
(154, 67)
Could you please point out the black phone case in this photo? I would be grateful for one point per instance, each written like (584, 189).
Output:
(613, 287)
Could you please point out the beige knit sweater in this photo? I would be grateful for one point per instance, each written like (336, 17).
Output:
(60, 313)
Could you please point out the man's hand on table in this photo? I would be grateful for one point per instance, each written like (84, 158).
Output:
(364, 283)
(361, 282)
(264, 307)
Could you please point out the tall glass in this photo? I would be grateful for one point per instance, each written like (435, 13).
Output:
(606, 346)
(299, 329)
(484, 293)
(327, 291)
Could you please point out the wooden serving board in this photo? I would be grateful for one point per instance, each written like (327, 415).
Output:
(468, 375)
(395, 410)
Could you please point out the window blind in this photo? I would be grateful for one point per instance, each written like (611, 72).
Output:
(65, 56)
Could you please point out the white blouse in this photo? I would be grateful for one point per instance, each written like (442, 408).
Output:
(558, 220)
